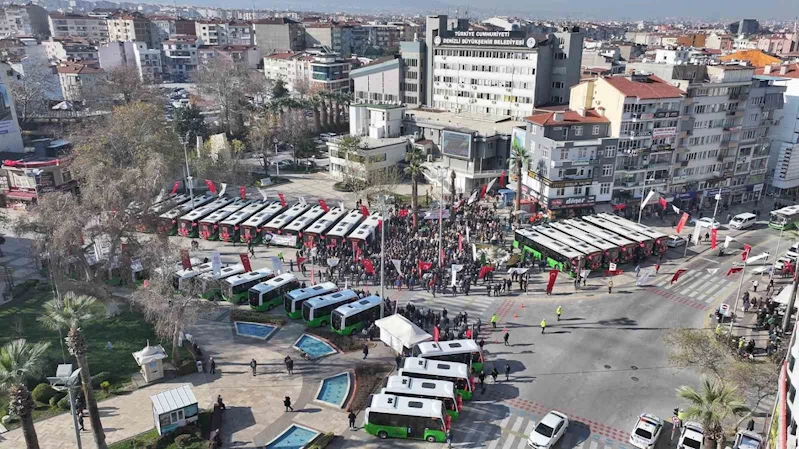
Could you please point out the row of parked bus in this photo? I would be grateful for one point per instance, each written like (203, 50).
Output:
(590, 242)
(213, 217)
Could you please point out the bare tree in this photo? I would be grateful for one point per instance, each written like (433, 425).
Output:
(261, 135)
(31, 90)
(233, 87)
(123, 84)
(757, 380)
(699, 349)
(224, 166)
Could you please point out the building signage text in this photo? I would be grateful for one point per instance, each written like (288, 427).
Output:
(575, 201)
(664, 132)
(486, 38)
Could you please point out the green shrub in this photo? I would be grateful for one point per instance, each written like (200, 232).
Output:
(256, 317)
(186, 368)
(183, 440)
(346, 343)
(58, 396)
(63, 403)
(322, 441)
(99, 378)
(105, 385)
(42, 393)
(53, 402)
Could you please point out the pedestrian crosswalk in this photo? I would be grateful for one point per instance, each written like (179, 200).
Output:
(700, 286)
(474, 305)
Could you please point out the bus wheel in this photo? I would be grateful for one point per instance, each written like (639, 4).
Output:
(382, 435)
(431, 439)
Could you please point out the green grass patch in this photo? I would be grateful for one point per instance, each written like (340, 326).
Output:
(189, 437)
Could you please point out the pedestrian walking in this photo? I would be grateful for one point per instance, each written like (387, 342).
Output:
(559, 311)
(287, 403)
(657, 268)
(494, 319)
(755, 283)
(351, 419)
(80, 423)
(212, 364)
(449, 438)
(507, 337)
(365, 351)
(637, 270)
(398, 359)
(481, 343)
(254, 366)
(494, 374)
(290, 366)
(543, 325)
(610, 286)
(507, 371)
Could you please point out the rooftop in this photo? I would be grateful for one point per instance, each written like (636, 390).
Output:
(648, 88)
(274, 21)
(757, 58)
(791, 71)
(569, 117)
(483, 125)
(76, 68)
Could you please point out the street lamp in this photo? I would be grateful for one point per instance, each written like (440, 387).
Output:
(382, 205)
(277, 166)
(66, 379)
(442, 174)
(185, 141)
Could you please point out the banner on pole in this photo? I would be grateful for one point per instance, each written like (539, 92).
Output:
(745, 254)
(243, 193)
(210, 185)
(245, 260)
(683, 220)
(277, 265)
(713, 237)
(696, 235)
(175, 187)
(648, 197)
(397, 265)
(727, 241)
(185, 260)
(553, 275)
(224, 188)
(282, 199)
(677, 275)
(216, 263)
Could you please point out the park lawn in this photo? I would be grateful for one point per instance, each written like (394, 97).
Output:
(198, 433)
(128, 332)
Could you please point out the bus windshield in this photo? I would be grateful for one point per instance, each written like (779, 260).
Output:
(336, 320)
(254, 296)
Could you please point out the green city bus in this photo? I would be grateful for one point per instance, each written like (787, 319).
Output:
(294, 299)
(351, 318)
(316, 311)
(457, 373)
(182, 279)
(268, 295)
(402, 417)
(211, 283)
(441, 390)
(235, 288)
(465, 351)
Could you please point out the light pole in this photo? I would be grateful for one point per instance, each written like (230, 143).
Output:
(381, 204)
(277, 166)
(66, 379)
(185, 141)
(716, 209)
(776, 252)
(643, 195)
(442, 175)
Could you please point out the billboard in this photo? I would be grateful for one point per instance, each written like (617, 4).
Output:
(518, 138)
(456, 144)
(6, 118)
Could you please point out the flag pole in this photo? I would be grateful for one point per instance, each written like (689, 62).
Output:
(738, 296)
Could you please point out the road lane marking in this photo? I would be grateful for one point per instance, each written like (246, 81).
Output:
(509, 442)
(518, 424)
(504, 422)
(493, 444)
(530, 426)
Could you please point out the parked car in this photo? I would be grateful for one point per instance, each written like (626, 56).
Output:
(646, 431)
(706, 222)
(675, 241)
(692, 436)
(746, 439)
(548, 431)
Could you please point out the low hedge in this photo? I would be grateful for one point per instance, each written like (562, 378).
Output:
(370, 378)
(346, 343)
(99, 378)
(42, 393)
(321, 441)
(256, 317)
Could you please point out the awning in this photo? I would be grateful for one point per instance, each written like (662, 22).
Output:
(19, 195)
(784, 296)
(397, 332)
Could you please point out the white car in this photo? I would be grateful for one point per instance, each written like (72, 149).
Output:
(692, 436)
(674, 241)
(646, 432)
(548, 431)
(708, 222)
(745, 439)
(781, 262)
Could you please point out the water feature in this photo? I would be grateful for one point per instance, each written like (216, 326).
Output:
(314, 347)
(334, 390)
(294, 437)
(254, 330)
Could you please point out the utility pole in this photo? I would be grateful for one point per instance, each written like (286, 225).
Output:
(786, 319)
(185, 141)
(382, 205)
(442, 172)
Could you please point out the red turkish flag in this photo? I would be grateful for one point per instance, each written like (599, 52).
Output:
(677, 275)
(368, 266)
(483, 191)
(175, 187)
(245, 260)
(662, 202)
(324, 205)
(553, 275)
(185, 260)
(713, 235)
(364, 211)
(211, 186)
(436, 333)
(683, 220)
(734, 270)
(282, 199)
(243, 193)
(502, 179)
(745, 254)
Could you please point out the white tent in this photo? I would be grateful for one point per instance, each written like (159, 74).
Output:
(397, 332)
(785, 295)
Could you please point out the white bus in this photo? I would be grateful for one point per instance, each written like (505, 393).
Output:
(168, 221)
(209, 226)
(277, 224)
(785, 218)
(441, 390)
(316, 232)
(626, 247)
(267, 295)
(210, 284)
(296, 227)
(462, 351)
(235, 288)
(403, 417)
(254, 225)
(340, 231)
(350, 318)
(230, 228)
(189, 224)
(181, 279)
(294, 299)
(364, 234)
(457, 373)
(316, 311)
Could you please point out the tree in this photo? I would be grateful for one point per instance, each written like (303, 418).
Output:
(279, 89)
(519, 158)
(416, 169)
(353, 177)
(30, 92)
(261, 135)
(122, 84)
(71, 313)
(699, 349)
(757, 380)
(224, 166)
(20, 361)
(189, 121)
(231, 86)
(712, 406)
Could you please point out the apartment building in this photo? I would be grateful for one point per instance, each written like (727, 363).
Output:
(218, 32)
(78, 79)
(312, 70)
(76, 25)
(382, 36)
(133, 27)
(27, 20)
(498, 73)
(644, 113)
(70, 49)
(393, 79)
(784, 155)
(247, 54)
(572, 157)
(331, 35)
(279, 34)
(180, 57)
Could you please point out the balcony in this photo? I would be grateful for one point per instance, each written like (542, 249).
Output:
(684, 163)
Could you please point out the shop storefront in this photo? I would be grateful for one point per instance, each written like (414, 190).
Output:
(572, 207)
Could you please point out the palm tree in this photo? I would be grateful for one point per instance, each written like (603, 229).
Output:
(713, 404)
(415, 169)
(320, 99)
(317, 124)
(19, 361)
(518, 160)
(70, 313)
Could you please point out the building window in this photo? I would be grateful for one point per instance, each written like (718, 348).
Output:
(578, 130)
(560, 192)
(610, 151)
(604, 188)
(557, 85)
(578, 190)
(595, 130)
(607, 170)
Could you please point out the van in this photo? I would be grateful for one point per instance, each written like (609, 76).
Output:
(742, 221)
